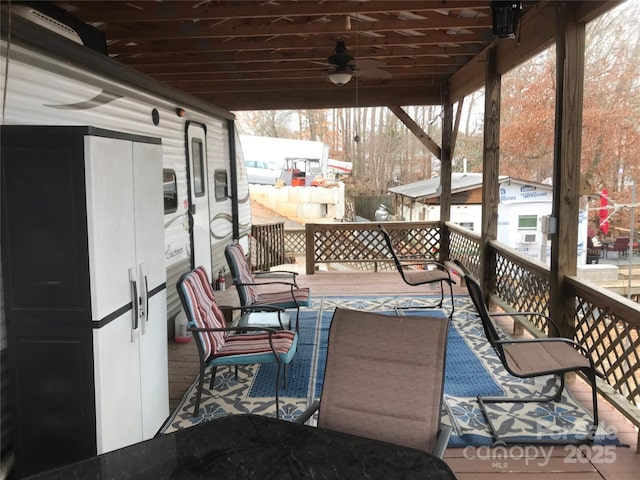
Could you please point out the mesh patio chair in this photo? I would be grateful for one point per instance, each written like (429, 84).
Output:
(219, 345)
(533, 357)
(249, 284)
(384, 379)
(418, 270)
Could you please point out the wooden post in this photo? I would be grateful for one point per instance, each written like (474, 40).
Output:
(310, 233)
(570, 41)
(445, 174)
(491, 171)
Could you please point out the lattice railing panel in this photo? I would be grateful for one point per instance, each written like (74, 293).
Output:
(363, 242)
(465, 249)
(522, 288)
(295, 242)
(614, 345)
(348, 245)
(415, 242)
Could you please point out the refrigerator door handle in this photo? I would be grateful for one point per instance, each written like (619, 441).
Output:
(144, 297)
(135, 301)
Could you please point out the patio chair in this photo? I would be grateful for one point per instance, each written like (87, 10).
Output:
(219, 345)
(620, 245)
(384, 379)
(418, 270)
(533, 357)
(249, 283)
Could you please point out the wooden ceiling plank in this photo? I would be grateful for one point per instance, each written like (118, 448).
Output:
(264, 28)
(200, 30)
(152, 11)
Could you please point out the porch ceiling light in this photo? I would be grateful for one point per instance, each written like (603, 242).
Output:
(340, 77)
(506, 17)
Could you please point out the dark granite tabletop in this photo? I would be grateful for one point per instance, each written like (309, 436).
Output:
(246, 447)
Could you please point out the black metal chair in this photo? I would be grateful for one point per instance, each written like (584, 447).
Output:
(532, 357)
(418, 270)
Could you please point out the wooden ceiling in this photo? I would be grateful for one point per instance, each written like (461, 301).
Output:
(272, 54)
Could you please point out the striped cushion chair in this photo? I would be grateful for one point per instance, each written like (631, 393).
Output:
(220, 345)
(248, 284)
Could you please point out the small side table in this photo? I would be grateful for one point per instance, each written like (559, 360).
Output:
(264, 319)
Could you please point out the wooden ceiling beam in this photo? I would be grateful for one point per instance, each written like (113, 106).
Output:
(329, 96)
(191, 81)
(261, 28)
(153, 11)
(198, 30)
(189, 48)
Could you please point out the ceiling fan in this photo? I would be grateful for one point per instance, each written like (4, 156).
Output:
(342, 67)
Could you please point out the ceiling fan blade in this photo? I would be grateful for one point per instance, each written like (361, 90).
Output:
(367, 63)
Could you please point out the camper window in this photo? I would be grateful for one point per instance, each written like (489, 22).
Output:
(198, 166)
(527, 222)
(221, 187)
(170, 191)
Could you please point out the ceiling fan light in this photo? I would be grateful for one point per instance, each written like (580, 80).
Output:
(340, 78)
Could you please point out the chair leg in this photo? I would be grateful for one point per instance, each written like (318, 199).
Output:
(213, 377)
(441, 294)
(199, 394)
(284, 372)
(453, 305)
(548, 398)
(278, 390)
(591, 376)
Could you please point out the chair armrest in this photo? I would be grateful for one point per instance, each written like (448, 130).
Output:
(533, 314)
(277, 274)
(268, 330)
(257, 308)
(290, 284)
(307, 414)
(442, 441)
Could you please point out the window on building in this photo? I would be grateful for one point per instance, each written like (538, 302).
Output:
(527, 222)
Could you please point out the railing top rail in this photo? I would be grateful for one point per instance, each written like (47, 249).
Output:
(465, 232)
(618, 305)
(371, 225)
(511, 254)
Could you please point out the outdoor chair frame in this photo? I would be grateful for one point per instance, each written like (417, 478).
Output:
(537, 357)
(378, 366)
(249, 285)
(248, 345)
(430, 271)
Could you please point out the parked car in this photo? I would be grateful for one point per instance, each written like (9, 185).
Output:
(262, 172)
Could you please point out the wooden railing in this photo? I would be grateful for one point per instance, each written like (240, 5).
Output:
(363, 245)
(606, 323)
(294, 243)
(267, 249)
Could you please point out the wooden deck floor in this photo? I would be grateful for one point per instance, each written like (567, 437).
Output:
(521, 463)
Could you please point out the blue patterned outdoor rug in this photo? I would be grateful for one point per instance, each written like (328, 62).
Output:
(472, 369)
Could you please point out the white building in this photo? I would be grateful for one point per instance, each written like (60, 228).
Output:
(521, 211)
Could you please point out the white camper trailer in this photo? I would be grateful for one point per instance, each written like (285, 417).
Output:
(51, 83)
(54, 81)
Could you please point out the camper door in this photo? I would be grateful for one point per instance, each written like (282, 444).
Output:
(198, 195)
